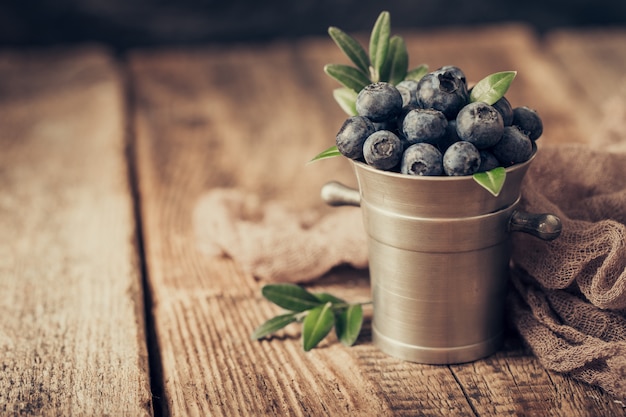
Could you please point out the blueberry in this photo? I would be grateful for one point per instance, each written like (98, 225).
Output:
(480, 124)
(403, 112)
(389, 124)
(443, 91)
(422, 159)
(379, 102)
(488, 161)
(450, 137)
(506, 111)
(424, 125)
(456, 71)
(514, 147)
(352, 135)
(408, 90)
(529, 121)
(461, 158)
(383, 150)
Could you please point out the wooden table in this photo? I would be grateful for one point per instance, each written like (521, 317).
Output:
(109, 308)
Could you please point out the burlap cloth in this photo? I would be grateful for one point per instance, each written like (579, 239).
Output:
(568, 296)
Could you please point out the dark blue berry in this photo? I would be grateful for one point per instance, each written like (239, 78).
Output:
(424, 125)
(422, 159)
(443, 91)
(389, 124)
(450, 137)
(383, 150)
(379, 102)
(461, 158)
(488, 161)
(506, 111)
(514, 147)
(456, 71)
(408, 91)
(352, 135)
(403, 112)
(529, 121)
(480, 124)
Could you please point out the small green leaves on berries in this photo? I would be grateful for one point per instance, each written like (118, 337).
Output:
(387, 60)
(416, 74)
(318, 312)
(328, 153)
(396, 65)
(346, 98)
(493, 87)
(351, 47)
(348, 76)
(492, 180)
(379, 45)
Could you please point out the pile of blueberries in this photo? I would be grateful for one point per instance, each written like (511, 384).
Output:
(430, 127)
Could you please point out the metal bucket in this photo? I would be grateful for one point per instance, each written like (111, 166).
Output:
(439, 251)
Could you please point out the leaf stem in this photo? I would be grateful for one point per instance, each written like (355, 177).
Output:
(340, 306)
(301, 315)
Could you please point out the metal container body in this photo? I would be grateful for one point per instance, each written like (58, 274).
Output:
(439, 250)
(438, 306)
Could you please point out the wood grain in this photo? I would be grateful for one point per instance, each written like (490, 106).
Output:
(249, 118)
(595, 58)
(72, 336)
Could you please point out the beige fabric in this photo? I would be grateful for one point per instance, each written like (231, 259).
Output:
(569, 302)
(568, 297)
(275, 244)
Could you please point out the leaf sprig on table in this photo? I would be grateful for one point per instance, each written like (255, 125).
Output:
(318, 313)
(388, 60)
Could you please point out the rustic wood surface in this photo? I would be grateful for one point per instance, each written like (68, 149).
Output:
(595, 62)
(79, 153)
(72, 337)
(250, 118)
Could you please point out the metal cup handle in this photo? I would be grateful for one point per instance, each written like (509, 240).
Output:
(336, 194)
(544, 226)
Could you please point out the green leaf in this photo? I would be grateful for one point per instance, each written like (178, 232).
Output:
(492, 181)
(316, 325)
(346, 99)
(397, 63)
(348, 324)
(290, 296)
(325, 297)
(351, 47)
(328, 153)
(347, 76)
(273, 325)
(416, 74)
(493, 87)
(379, 44)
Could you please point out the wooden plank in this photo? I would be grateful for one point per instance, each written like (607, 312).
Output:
(249, 118)
(524, 388)
(596, 58)
(72, 339)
